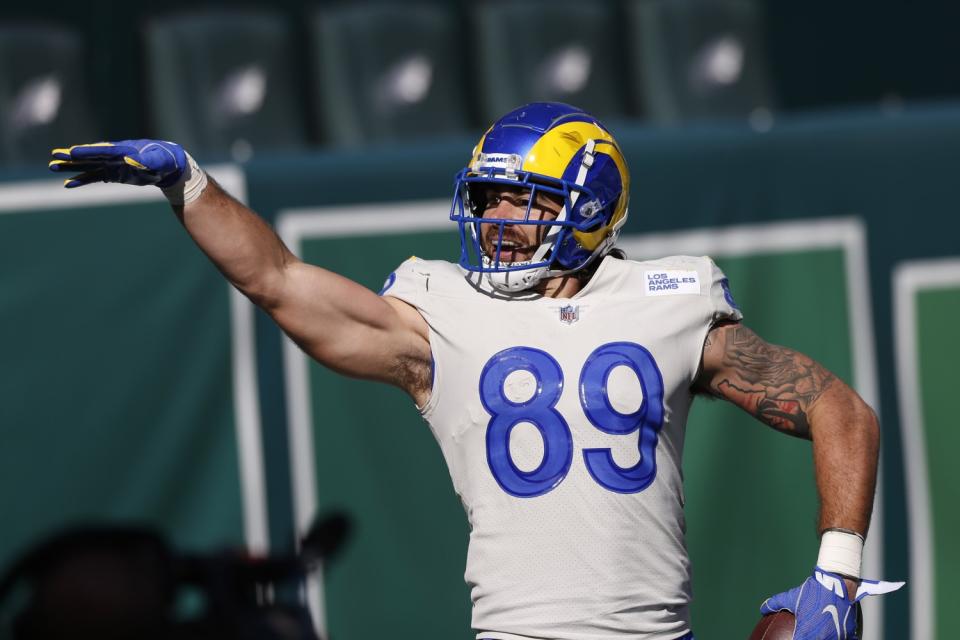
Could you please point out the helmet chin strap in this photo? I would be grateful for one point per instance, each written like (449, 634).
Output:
(514, 281)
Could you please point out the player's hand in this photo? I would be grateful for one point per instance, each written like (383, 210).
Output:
(139, 162)
(823, 607)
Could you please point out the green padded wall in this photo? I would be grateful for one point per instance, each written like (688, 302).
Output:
(117, 401)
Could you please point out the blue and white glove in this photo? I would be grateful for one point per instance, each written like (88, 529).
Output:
(139, 162)
(822, 606)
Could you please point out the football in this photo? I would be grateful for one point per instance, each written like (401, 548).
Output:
(776, 626)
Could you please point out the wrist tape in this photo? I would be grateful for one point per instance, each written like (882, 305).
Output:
(841, 551)
(190, 185)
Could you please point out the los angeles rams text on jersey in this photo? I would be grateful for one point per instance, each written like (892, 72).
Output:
(562, 425)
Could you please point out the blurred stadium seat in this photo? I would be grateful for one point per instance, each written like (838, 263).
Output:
(558, 50)
(43, 97)
(224, 83)
(387, 71)
(697, 59)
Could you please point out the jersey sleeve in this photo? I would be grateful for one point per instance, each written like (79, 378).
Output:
(721, 299)
(408, 282)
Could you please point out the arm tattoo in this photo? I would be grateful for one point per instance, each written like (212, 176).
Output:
(775, 384)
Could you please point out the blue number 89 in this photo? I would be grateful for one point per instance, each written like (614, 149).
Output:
(540, 410)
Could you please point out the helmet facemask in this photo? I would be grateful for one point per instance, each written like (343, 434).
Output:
(486, 240)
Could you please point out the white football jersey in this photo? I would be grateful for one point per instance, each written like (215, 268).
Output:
(562, 424)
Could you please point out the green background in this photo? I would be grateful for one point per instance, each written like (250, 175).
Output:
(938, 353)
(115, 363)
(115, 378)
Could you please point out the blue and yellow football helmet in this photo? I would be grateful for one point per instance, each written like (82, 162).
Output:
(552, 148)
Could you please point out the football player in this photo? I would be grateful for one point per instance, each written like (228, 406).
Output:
(555, 374)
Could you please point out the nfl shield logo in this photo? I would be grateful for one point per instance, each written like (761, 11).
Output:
(569, 314)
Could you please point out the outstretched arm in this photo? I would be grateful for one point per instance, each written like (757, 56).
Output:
(797, 395)
(338, 322)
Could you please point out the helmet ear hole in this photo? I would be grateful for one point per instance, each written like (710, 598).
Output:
(590, 209)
